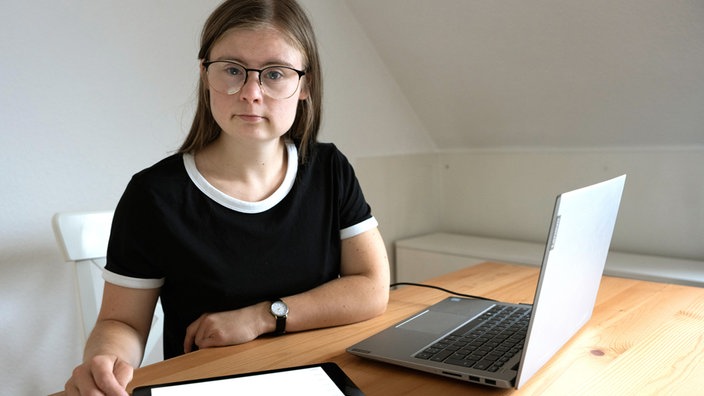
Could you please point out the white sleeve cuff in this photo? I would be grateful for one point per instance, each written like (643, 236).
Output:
(359, 228)
(132, 283)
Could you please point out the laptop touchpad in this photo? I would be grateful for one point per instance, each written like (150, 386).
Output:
(433, 322)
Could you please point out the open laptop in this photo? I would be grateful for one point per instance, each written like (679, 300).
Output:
(442, 339)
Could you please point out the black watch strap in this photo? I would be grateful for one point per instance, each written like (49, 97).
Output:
(280, 325)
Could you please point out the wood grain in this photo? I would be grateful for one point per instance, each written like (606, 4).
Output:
(643, 338)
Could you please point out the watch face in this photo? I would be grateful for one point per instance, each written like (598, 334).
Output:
(279, 308)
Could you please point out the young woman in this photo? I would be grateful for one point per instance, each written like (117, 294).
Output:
(254, 227)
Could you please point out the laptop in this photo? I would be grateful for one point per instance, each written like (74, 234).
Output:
(502, 344)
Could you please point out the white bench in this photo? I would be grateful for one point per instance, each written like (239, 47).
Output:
(426, 256)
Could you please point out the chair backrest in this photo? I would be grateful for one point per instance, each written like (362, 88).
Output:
(83, 240)
(82, 235)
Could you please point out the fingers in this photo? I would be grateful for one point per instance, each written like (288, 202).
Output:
(224, 328)
(205, 332)
(105, 374)
(191, 332)
(101, 375)
(123, 373)
(197, 334)
(209, 337)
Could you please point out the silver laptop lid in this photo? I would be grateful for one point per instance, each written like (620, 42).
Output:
(578, 243)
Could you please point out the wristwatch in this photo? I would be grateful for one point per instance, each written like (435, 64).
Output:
(279, 309)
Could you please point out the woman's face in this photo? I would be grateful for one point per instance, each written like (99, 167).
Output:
(249, 113)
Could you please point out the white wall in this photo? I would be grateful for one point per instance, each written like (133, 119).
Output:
(92, 92)
(524, 100)
(510, 194)
(406, 194)
(365, 112)
(568, 73)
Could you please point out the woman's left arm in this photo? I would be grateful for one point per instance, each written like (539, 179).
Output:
(360, 293)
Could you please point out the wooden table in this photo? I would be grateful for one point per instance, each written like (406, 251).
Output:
(643, 338)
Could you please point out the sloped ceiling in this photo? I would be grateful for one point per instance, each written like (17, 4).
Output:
(574, 73)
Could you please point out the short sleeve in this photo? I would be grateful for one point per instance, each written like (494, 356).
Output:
(355, 213)
(134, 241)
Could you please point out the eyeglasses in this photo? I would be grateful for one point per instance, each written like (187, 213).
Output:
(277, 82)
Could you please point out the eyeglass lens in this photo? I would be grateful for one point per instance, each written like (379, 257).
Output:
(278, 82)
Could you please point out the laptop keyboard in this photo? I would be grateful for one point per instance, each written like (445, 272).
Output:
(485, 343)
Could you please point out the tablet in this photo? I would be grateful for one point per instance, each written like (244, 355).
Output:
(313, 380)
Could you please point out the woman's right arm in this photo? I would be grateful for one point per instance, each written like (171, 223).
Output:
(116, 344)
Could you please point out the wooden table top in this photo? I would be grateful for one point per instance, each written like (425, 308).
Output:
(643, 338)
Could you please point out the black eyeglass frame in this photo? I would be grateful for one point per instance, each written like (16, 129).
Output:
(301, 73)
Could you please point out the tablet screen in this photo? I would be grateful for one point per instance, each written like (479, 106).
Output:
(326, 379)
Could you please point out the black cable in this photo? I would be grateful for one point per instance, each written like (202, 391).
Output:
(439, 288)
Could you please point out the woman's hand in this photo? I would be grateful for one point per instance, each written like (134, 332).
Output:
(229, 328)
(102, 374)
(116, 344)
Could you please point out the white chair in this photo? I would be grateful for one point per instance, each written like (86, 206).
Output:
(83, 239)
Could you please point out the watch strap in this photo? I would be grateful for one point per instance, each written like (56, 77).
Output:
(280, 325)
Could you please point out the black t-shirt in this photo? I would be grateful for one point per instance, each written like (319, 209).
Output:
(210, 252)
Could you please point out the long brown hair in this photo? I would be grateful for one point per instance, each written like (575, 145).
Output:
(289, 18)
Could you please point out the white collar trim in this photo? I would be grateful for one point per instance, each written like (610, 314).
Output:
(237, 204)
